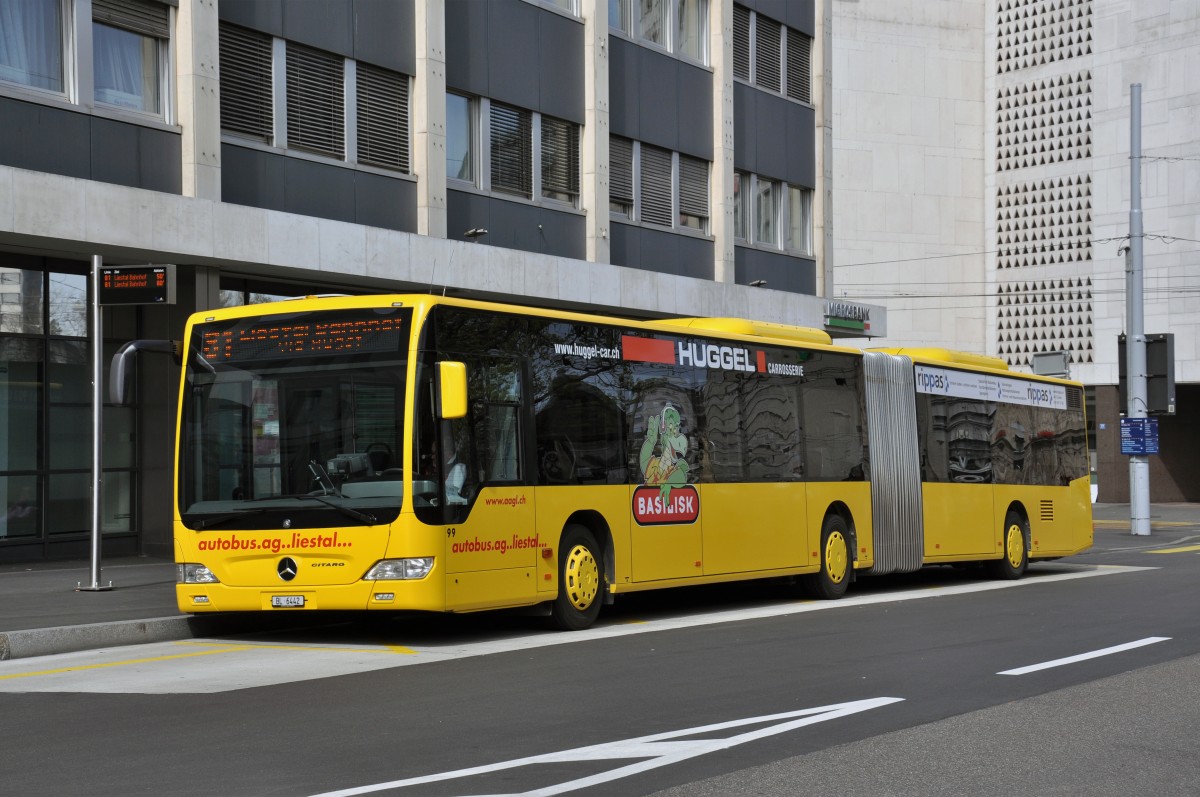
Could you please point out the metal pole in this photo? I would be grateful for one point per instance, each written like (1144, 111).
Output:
(1135, 338)
(97, 427)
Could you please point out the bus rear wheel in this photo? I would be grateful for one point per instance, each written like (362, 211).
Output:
(832, 580)
(1013, 563)
(580, 580)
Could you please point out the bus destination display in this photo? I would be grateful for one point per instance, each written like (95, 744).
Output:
(299, 337)
(137, 285)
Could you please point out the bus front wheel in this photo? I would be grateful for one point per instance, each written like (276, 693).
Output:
(580, 580)
(831, 581)
(1012, 564)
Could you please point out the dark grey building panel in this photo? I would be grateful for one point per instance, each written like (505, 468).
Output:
(781, 272)
(773, 136)
(797, 14)
(466, 47)
(561, 73)
(293, 185)
(516, 53)
(512, 53)
(386, 202)
(261, 15)
(326, 26)
(385, 34)
(657, 85)
(624, 104)
(515, 225)
(44, 139)
(695, 87)
(801, 145)
(57, 141)
(562, 234)
(251, 177)
(661, 251)
(695, 257)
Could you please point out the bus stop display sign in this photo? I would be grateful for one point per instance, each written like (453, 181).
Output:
(137, 285)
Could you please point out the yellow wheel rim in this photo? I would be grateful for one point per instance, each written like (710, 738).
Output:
(1015, 546)
(581, 577)
(837, 559)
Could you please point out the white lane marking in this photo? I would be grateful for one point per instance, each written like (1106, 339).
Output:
(1095, 654)
(246, 668)
(656, 750)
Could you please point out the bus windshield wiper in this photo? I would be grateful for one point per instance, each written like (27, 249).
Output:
(217, 520)
(345, 510)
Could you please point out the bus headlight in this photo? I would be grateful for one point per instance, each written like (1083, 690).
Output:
(400, 569)
(195, 574)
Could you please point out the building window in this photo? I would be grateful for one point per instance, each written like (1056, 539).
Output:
(560, 160)
(460, 139)
(288, 95)
(741, 206)
(766, 212)
(620, 184)
(671, 188)
(779, 216)
(382, 118)
(570, 6)
(246, 103)
(128, 41)
(655, 184)
(799, 66)
(31, 44)
(800, 220)
(511, 150)
(771, 56)
(679, 26)
(693, 193)
(316, 101)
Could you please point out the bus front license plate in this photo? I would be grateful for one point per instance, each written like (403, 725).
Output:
(287, 601)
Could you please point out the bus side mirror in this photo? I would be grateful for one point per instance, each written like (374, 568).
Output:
(452, 389)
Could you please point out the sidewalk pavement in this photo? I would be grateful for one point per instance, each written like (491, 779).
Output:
(43, 613)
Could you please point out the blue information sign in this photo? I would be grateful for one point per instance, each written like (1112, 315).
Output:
(1139, 436)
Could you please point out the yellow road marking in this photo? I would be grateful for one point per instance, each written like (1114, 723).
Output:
(82, 667)
(310, 648)
(1184, 549)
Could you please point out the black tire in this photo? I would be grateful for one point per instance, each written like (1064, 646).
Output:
(837, 565)
(1012, 564)
(580, 580)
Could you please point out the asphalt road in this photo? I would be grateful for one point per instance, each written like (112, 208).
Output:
(936, 683)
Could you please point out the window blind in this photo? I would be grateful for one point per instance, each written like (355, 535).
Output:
(316, 100)
(560, 159)
(620, 184)
(741, 42)
(799, 66)
(245, 64)
(511, 150)
(767, 53)
(693, 186)
(383, 128)
(139, 16)
(656, 186)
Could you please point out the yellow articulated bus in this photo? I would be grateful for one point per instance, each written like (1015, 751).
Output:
(417, 452)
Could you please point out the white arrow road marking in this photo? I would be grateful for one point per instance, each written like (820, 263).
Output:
(656, 749)
(1095, 654)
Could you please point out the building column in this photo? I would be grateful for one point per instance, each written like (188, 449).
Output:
(721, 199)
(429, 118)
(594, 186)
(197, 53)
(822, 66)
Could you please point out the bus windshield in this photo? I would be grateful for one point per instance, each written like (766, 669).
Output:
(294, 419)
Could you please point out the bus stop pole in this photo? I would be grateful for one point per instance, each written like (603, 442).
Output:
(97, 428)
(1135, 347)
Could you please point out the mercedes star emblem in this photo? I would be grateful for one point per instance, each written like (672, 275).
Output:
(287, 568)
